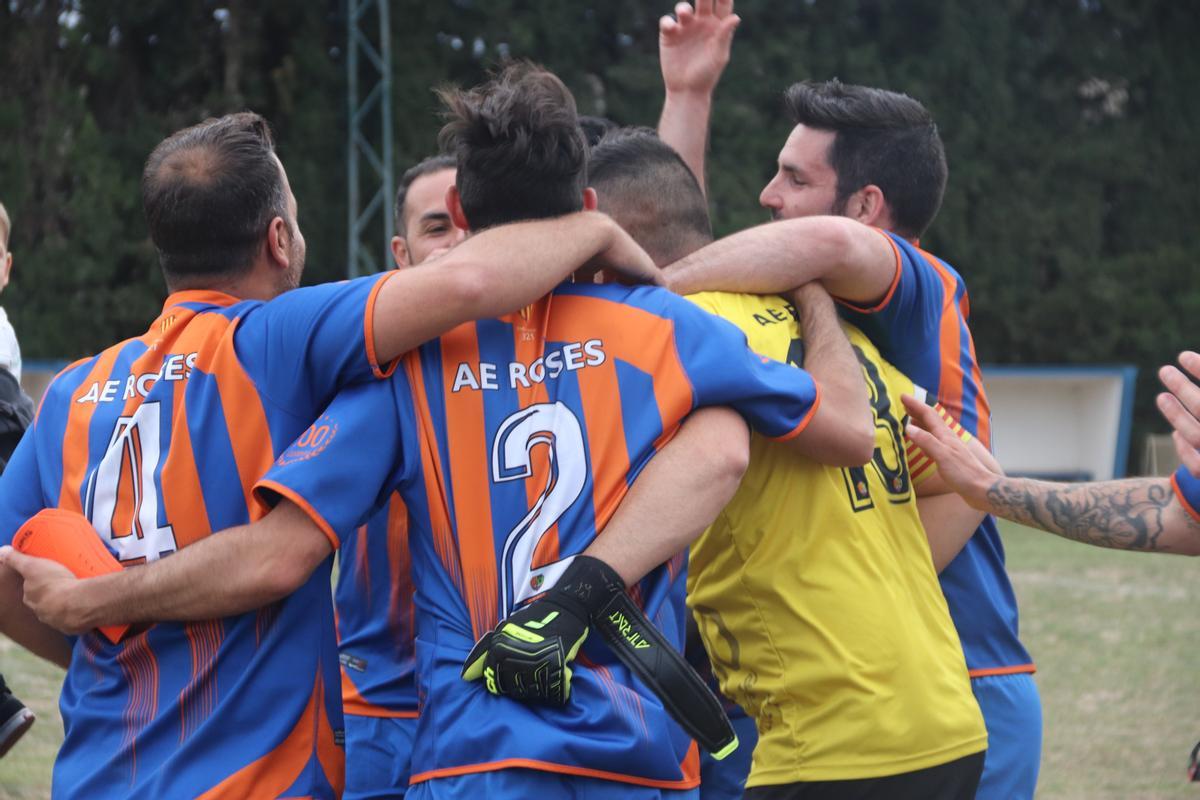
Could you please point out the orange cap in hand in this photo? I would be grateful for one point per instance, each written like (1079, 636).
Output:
(68, 538)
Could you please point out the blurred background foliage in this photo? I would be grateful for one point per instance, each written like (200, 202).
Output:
(1071, 127)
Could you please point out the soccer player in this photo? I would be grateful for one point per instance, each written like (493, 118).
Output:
(815, 588)
(1160, 515)
(159, 439)
(875, 160)
(374, 587)
(423, 225)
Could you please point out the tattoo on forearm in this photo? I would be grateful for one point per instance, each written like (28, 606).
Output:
(1125, 515)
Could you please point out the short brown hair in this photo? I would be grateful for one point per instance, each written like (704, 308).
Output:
(644, 184)
(209, 193)
(518, 146)
(883, 138)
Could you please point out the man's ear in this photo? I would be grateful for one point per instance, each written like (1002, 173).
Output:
(869, 207)
(400, 252)
(454, 206)
(5, 269)
(590, 201)
(279, 239)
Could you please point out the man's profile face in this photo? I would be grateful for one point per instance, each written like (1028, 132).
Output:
(804, 185)
(426, 220)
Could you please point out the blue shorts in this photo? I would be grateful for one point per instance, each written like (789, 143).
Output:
(378, 755)
(1012, 711)
(726, 779)
(535, 783)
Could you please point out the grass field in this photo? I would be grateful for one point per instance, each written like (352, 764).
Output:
(1114, 636)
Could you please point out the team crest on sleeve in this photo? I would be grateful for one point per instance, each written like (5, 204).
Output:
(311, 443)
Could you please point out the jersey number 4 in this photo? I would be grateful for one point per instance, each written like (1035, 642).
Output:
(122, 494)
(555, 427)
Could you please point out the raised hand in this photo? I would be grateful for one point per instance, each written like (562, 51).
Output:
(1181, 406)
(694, 46)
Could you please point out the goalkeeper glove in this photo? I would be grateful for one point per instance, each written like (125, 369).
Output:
(528, 655)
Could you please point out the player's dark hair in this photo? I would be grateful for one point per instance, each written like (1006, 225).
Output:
(883, 138)
(427, 167)
(644, 185)
(518, 147)
(596, 128)
(209, 193)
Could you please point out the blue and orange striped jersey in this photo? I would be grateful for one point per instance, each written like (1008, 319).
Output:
(1187, 489)
(512, 442)
(921, 327)
(376, 628)
(159, 440)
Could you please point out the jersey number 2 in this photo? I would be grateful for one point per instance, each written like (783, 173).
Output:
(555, 427)
(122, 496)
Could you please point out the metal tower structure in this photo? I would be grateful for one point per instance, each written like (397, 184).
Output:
(369, 157)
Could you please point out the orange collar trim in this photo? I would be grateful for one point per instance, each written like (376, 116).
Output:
(200, 296)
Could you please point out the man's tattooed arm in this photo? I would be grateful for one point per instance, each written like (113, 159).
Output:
(1135, 514)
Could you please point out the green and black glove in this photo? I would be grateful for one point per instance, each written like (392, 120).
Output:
(528, 656)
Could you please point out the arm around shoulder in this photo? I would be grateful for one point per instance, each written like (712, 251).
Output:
(496, 272)
(841, 432)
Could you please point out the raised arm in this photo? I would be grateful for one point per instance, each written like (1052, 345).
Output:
(693, 50)
(677, 495)
(1180, 404)
(1137, 514)
(258, 564)
(842, 430)
(853, 261)
(498, 271)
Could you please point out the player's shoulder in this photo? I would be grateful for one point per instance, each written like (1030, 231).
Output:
(209, 303)
(652, 299)
(752, 313)
(861, 341)
(870, 356)
(728, 304)
(922, 259)
(75, 374)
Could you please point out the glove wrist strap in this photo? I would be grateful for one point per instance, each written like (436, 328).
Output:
(589, 584)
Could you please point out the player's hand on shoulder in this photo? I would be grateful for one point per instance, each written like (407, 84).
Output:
(959, 463)
(694, 45)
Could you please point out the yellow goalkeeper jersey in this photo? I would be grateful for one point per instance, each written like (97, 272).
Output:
(817, 599)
